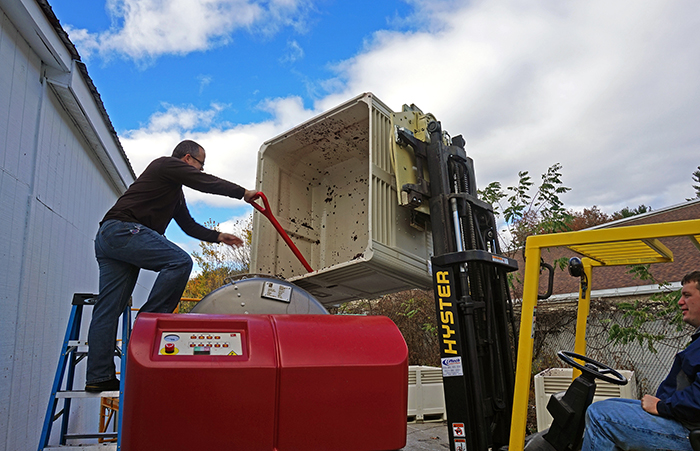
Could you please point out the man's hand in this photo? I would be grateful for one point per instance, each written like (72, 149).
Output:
(649, 404)
(249, 194)
(231, 240)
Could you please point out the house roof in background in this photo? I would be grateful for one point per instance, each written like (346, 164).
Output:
(615, 280)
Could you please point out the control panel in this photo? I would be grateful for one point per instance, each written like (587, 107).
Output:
(201, 343)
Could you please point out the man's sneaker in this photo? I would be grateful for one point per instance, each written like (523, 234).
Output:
(109, 385)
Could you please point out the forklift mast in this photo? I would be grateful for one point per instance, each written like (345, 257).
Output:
(473, 305)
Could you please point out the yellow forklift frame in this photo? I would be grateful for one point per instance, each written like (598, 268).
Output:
(629, 245)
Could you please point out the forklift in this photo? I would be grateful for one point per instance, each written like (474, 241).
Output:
(486, 398)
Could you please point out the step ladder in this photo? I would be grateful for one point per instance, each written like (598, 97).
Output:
(73, 351)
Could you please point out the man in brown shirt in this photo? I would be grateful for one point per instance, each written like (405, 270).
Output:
(131, 237)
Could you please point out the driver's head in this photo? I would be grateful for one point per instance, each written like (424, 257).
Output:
(690, 298)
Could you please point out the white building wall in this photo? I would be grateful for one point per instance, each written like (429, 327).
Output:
(19, 101)
(54, 189)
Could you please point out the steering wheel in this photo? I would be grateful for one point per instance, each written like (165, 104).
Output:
(593, 368)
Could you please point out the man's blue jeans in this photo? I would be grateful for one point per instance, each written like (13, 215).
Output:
(622, 424)
(122, 249)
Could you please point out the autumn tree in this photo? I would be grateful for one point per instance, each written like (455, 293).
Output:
(413, 312)
(588, 217)
(218, 262)
(591, 217)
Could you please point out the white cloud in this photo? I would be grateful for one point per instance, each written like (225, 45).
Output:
(231, 150)
(185, 118)
(145, 29)
(236, 224)
(294, 53)
(162, 133)
(608, 90)
(204, 81)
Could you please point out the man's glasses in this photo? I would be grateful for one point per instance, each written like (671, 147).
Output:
(201, 163)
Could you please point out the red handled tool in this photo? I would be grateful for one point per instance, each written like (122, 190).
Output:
(268, 214)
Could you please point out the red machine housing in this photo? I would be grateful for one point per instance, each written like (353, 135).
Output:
(265, 382)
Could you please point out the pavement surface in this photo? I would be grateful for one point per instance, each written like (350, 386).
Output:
(426, 436)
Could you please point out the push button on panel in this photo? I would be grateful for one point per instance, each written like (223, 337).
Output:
(196, 342)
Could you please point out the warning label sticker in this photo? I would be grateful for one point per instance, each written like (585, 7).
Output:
(460, 444)
(498, 259)
(452, 366)
(277, 292)
(458, 430)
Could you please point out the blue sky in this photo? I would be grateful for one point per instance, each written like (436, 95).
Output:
(226, 83)
(251, 66)
(609, 90)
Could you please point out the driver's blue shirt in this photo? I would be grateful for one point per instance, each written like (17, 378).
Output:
(679, 393)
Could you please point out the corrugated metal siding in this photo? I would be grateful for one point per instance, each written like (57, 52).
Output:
(15, 75)
(53, 194)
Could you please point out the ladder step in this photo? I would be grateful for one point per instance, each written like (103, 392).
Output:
(94, 447)
(85, 394)
(84, 344)
(77, 343)
(91, 435)
(73, 351)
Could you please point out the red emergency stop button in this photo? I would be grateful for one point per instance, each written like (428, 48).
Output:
(169, 348)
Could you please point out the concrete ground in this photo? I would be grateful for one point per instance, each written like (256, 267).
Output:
(426, 436)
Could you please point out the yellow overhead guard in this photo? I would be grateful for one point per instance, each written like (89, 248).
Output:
(630, 245)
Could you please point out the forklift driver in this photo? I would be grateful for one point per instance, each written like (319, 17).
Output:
(131, 237)
(662, 421)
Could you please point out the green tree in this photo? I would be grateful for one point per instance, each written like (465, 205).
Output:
(696, 179)
(543, 212)
(527, 213)
(660, 306)
(627, 212)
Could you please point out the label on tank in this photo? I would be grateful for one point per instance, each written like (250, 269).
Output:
(277, 291)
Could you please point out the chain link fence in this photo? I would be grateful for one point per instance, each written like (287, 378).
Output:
(555, 330)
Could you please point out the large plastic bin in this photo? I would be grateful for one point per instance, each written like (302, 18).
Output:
(331, 185)
(426, 395)
(555, 380)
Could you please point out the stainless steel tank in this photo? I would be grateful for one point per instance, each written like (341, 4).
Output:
(254, 294)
